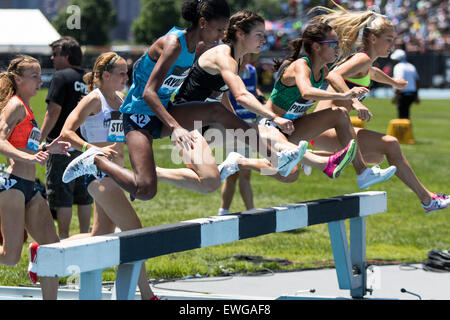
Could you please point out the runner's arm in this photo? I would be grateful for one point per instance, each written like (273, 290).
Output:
(379, 76)
(237, 87)
(355, 65)
(226, 102)
(168, 55)
(89, 105)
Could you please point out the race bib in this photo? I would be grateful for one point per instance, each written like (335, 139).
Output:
(34, 137)
(6, 182)
(141, 119)
(297, 110)
(116, 133)
(172, 82)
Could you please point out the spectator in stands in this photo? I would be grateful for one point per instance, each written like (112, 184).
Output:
(421, 25)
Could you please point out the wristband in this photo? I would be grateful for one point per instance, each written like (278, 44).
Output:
(84, 147)
(43, 146)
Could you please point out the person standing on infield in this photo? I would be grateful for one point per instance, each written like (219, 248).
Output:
(405, 97)
(66, 90)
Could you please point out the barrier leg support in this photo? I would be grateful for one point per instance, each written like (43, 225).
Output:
(339, 245)
(350, 264)
(91, 285)
(358, 256)
(126, 281)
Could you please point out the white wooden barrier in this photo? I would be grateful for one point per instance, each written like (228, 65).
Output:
(127, 250)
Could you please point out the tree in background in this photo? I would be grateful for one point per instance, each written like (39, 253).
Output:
(88, 21)
(269, 9)
(156, 18)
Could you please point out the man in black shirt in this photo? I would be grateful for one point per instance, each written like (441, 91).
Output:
(66, 90)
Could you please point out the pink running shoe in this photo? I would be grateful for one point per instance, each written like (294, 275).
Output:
(33, 256)
(438, 202)
(338, 161)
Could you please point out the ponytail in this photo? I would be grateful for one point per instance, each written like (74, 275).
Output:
(88, 79)
(314, 32)
(348, 25)
(296, 47)
(8, 87)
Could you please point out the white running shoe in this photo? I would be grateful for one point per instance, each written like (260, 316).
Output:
(374, 175)
(438, 202)
(229, 166)
(82, 165)
(307, 170)
(288, 159)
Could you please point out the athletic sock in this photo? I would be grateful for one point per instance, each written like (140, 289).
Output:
(223, 211)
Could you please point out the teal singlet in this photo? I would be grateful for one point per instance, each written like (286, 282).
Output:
(290, 99)
(134, 103)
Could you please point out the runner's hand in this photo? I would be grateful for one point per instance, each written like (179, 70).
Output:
(110, 151)
(363, 112)
(286, 125)
(40, 157)
(183, 138)
(356, 93)
(59, 147)
(400, 83)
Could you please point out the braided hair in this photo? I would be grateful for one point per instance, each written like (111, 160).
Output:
(243, 20)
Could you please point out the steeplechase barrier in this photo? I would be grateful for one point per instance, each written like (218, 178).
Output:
(127, 250)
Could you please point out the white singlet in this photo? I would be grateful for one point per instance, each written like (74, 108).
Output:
(105, 126)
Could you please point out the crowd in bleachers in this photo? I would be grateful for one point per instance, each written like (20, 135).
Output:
(422, 25)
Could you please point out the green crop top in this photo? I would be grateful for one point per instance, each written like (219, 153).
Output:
(290, 99)
(359, 82)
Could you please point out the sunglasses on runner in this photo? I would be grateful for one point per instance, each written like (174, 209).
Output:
(332, 43)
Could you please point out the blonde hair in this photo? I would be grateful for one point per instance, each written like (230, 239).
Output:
(105, 62)
(348, 24)
(8, 86)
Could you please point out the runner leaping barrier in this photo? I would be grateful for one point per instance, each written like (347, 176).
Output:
(127, 250)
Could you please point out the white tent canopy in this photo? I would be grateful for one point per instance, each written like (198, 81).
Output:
(26, 31)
